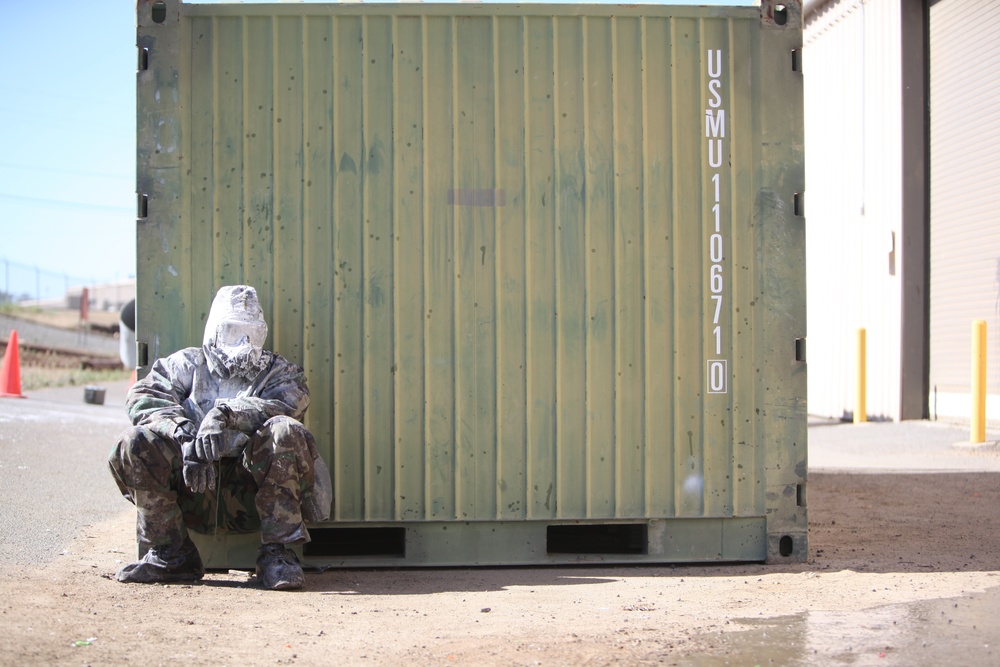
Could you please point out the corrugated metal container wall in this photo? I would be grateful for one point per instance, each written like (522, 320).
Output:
(853, 167)
(965, 198)
(541, 267)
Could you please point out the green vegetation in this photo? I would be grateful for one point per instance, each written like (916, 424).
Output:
(33, 377)
(8, 307)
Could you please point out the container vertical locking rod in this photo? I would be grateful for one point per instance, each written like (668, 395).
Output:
(978, 381)
(860, 407)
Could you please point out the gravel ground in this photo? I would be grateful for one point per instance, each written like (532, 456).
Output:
(42, 335)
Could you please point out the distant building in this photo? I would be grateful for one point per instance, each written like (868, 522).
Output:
(107, 297)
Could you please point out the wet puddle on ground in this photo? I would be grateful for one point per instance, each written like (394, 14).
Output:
(951, 631)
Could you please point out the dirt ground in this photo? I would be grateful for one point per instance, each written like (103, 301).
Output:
(903, 570)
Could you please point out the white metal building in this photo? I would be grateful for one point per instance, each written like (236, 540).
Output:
(903, 229)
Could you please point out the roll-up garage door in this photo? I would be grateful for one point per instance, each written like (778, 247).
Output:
(965, 198)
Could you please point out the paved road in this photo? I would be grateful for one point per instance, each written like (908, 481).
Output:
(911, 446)
(54, 477)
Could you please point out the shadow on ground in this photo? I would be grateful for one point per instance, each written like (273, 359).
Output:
(874, 523)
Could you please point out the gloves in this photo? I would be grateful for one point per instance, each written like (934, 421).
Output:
(208, 445)
(212, 441)
(199, 475)
(185, 431)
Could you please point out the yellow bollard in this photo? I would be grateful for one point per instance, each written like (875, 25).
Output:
(860, 407)
(978, 381)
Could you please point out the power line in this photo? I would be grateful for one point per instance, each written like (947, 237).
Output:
(18, 265)
(61, 203)
(72, 172)
(53, 282)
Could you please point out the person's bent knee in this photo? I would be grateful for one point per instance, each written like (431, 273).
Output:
(140, 453)
(286, 432)
(130, 443)
(281, 438)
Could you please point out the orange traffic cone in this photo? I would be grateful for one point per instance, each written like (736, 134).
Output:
(10, 371)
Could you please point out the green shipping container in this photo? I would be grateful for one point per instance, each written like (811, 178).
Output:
(543, 265)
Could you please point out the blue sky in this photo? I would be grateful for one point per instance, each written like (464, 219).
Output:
(67, 144)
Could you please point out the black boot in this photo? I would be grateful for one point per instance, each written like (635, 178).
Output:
(278, 568)
(165, 564)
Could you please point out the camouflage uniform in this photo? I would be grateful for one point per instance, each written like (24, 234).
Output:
(272, 479)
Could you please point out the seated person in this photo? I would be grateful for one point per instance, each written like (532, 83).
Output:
(217, 444)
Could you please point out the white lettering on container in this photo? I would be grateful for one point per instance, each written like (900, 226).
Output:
(717, 369)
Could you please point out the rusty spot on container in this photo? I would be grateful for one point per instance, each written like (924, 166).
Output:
(477, 197)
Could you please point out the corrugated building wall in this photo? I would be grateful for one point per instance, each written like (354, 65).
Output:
(851, 67)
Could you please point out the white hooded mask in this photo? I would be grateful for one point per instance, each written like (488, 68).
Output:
(235, 333)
